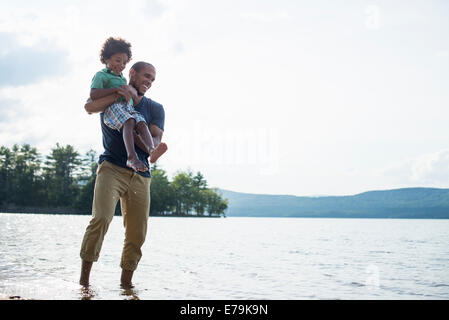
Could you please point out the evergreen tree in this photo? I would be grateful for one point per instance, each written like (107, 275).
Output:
(183, 188)
(20, 175)
(199, 181)
(161, 192)
(216, 205)
(27, 181)
(6, 174)
(86, 181)
(68, 180)
(60, 179)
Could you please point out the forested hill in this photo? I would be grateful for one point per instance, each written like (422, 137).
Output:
(398, 203)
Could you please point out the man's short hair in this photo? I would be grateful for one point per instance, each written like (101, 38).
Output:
(140, 65)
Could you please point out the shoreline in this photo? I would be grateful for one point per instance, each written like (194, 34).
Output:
(70, 211)
(8, 297)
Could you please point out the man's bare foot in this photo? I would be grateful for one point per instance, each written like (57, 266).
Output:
(137, 165)
(158, 151)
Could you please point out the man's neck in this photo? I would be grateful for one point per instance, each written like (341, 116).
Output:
(138, 99)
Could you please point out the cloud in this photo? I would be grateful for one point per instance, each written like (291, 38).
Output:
(18, 121)
(265, 17)
(154, 8)
(431, 169)
(178, 47)
(23, 65)
(442, 53)
(322, 83)
(9, 110)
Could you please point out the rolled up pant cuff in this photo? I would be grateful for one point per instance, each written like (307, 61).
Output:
(131, 266)
(89, 258)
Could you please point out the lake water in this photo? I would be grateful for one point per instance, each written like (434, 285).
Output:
(232, 258)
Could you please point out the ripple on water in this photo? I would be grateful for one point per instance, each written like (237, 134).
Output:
(356, 284)
(306, 258)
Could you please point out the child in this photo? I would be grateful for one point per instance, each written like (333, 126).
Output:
(121, 115)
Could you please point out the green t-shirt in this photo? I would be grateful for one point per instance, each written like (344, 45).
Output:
(106, 79)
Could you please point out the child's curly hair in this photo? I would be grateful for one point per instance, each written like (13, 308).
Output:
(114, 45)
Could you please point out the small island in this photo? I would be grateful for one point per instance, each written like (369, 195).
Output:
(63, 183)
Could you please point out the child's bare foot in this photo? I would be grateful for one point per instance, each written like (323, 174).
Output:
(158, 151)
(135, 164)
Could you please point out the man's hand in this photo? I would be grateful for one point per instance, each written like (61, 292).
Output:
(133, 92)
(128, 92)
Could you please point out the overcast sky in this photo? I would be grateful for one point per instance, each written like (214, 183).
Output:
(277, 97)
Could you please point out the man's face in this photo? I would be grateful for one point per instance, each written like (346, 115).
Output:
(143, 79)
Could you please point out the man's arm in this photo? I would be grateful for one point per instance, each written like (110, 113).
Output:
(99, 105)
(156, 133)
(157, 121)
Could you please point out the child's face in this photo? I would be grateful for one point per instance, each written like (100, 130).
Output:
(117, 62)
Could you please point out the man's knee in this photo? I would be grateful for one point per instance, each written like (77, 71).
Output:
(102, 220)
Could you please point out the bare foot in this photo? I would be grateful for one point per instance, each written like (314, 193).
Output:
(158, 151)
(137, 165)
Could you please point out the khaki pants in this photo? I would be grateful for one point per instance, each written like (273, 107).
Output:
(114, 183)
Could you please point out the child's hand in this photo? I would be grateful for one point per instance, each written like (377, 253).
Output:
(131, 90)
(124, 92)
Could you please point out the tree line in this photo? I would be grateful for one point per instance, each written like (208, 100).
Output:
(65, 179)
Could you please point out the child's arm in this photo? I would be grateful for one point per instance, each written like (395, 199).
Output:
(99, 105)
(96, 94)
(98, 90)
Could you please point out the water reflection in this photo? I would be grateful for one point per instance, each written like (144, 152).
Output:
(283, 258)
(89, 293)
(130, 293)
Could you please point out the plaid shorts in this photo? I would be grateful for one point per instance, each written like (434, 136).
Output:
(118, 113)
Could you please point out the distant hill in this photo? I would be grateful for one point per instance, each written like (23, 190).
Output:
(429, 203)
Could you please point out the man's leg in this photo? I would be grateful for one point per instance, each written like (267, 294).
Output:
(135, 204)
(86, 266)
(126, 278)
(109, 185)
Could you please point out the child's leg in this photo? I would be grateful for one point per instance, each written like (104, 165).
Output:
(158, 151)
(143, 131)
(154, 153)
(128, 138)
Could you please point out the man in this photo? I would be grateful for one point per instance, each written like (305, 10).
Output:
(117, 181)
